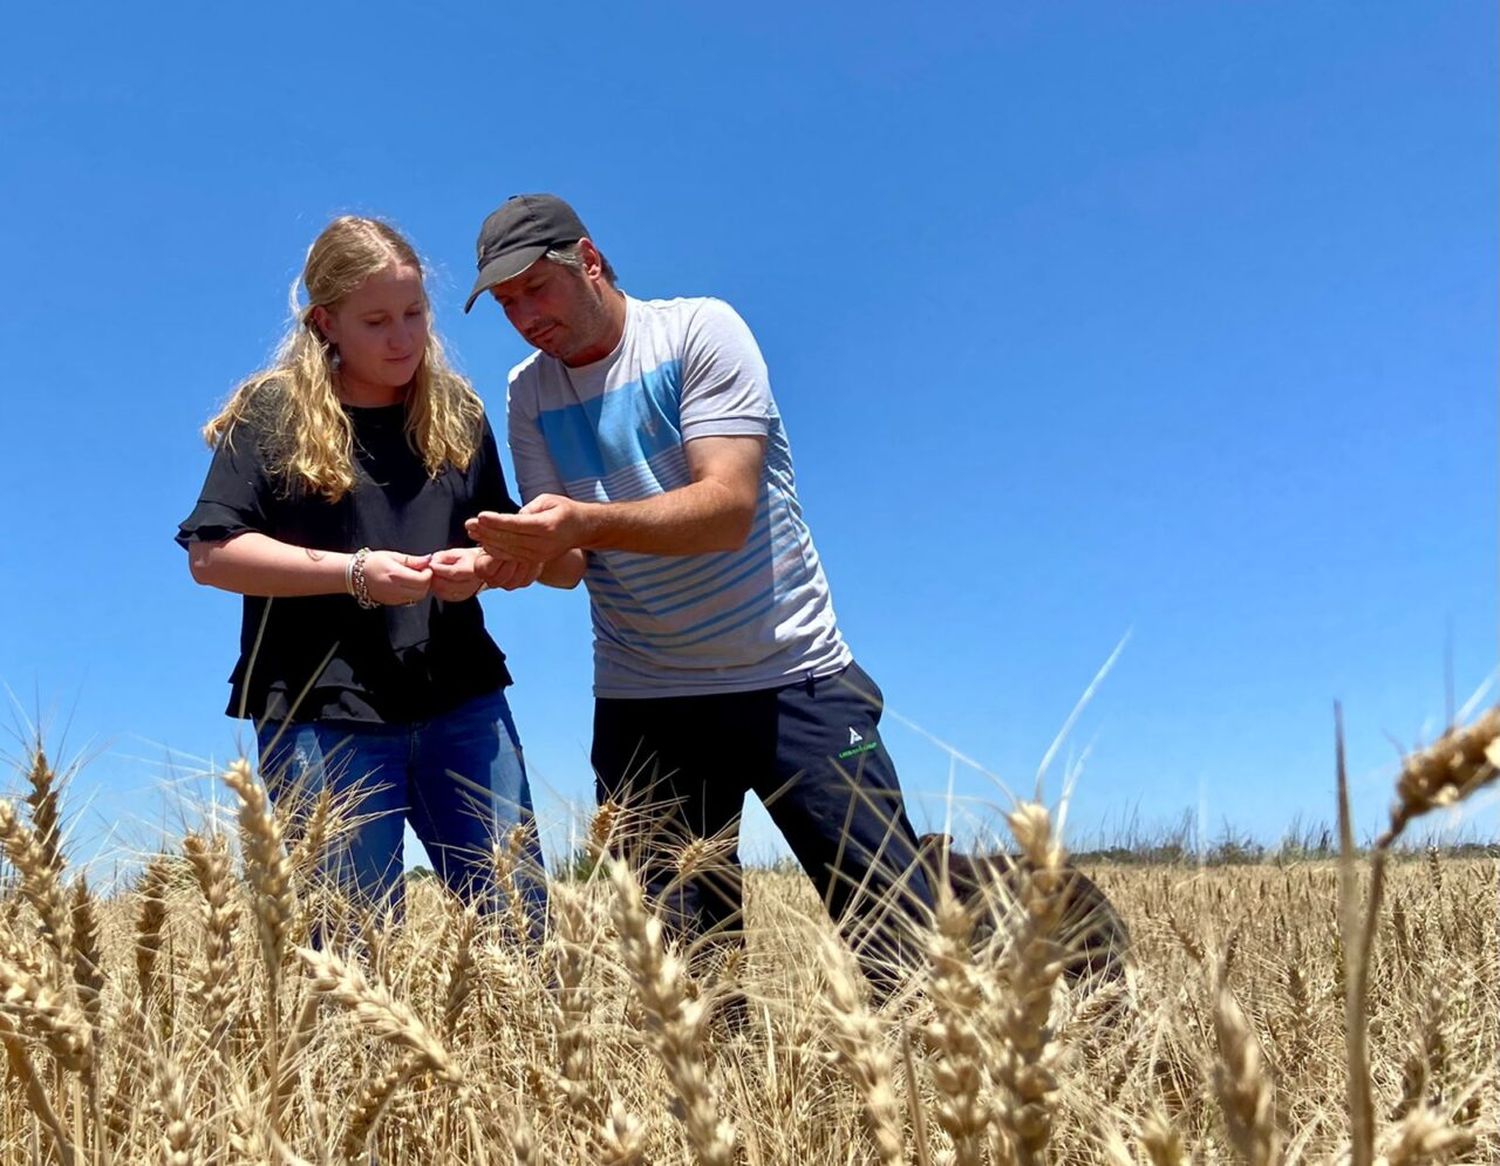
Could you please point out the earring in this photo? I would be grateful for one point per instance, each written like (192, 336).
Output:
(335, 361)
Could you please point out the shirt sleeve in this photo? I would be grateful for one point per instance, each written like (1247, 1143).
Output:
(726, 391)
(237, 494)
(535, 473)
(490, 490)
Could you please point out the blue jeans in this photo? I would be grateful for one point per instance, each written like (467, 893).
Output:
(458, 778)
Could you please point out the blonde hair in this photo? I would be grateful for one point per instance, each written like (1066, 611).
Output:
(294, 405)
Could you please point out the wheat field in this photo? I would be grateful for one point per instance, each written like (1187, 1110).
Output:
(1323, 1011)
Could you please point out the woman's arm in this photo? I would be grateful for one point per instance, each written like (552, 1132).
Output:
(256, 564)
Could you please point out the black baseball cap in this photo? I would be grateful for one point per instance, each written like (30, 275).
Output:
(514, 237)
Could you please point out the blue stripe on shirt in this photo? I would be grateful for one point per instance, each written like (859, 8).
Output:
(626, 426)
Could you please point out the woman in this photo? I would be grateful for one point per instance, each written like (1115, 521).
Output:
(335, 504)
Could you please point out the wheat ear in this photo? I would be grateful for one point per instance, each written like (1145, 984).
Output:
(958, 999)
(674, 1021)
(574, 1002)
(1424, 1135)
(214, 990)
(1242, 1082)
(1032, 965)
(178, 1135)
(860, 1051)
(40, 867)
(384, 1017)
(371, 1102)
(621, 1140)
(267, 868)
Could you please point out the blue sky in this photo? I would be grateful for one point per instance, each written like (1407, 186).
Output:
(1172, 319)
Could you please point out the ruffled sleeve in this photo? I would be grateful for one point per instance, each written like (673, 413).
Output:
(237, 494)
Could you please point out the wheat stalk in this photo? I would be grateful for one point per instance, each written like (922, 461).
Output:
(24, 1071)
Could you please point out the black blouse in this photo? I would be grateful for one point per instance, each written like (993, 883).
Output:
(389, 665)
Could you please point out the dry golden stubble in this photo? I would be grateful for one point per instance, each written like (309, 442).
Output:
(674, 1021)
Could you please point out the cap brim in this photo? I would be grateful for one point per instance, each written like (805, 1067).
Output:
(507, 266)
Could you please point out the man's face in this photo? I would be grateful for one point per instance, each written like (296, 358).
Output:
(555, 308)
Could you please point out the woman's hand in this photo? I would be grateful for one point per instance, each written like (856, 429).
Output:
(453, 575)
(394, 578)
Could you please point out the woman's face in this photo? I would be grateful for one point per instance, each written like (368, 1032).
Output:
(380, 329)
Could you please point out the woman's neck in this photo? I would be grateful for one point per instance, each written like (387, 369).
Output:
(363, 395)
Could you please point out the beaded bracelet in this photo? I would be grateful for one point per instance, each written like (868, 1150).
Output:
(357, 577)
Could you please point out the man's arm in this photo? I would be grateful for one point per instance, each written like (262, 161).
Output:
(714, 512)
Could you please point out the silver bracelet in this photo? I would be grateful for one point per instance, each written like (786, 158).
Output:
(358, 579)
(349, 576)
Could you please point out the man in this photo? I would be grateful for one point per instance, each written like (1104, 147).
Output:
(654, 466)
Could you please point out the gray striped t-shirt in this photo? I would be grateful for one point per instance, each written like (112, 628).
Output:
(613, 431)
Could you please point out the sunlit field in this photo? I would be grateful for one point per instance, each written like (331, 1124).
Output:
(1302, 1010)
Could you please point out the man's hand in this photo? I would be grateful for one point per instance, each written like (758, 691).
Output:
(454, 577)
(547, 526)
(506, 574)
